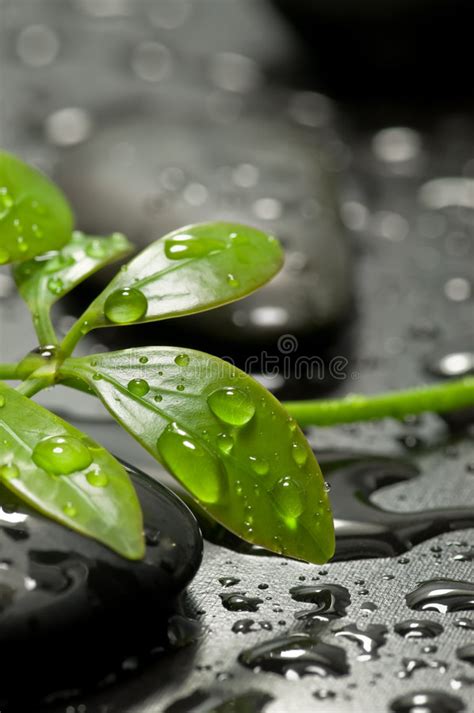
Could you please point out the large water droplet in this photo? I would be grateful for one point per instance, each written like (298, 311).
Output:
(330, 600)
(231, 406)
(442, 595)
(191, 463)
(138, 387)
(295, 656)
(427, 702)
(288, 497)
(182, 360)
(186, 246)
(97, 249)
(125, 305)
(61, 455)
(418, 629)
(239, 601)
(369, 639)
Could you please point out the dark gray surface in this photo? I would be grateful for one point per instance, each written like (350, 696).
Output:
(409, 251)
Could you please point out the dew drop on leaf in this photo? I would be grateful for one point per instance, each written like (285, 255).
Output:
(138, 387)
(61, 455)
(182, 360)
(259, 465)
(96, 249)
(69, 510)
(9, 472)
(232, 281)
(299, 453)
(288, 497)
(231, 406)
(158, 398)
(185, 246)
(97, 478)
(143, 360)
(55, 285)
(191, 463)
(225, 443)
(125, 306)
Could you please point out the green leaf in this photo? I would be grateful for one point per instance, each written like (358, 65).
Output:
(66, 475)
(34, 214)
(46, 278)
(190, 270)
(228, 441)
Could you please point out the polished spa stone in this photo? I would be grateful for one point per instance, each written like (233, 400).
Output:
(71, 609)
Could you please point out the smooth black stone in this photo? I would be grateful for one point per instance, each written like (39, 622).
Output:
(71, 609)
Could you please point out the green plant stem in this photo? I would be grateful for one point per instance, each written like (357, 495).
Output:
(439, 398)
(30, 387)
(44, 328)
(75, 334)
(8, 371)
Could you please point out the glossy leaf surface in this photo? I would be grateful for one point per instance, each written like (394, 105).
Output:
(46, 278)
(66, 475)
(34, 214)
(190, 270)
(227, 440)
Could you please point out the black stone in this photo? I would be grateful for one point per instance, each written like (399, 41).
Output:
(71, 609)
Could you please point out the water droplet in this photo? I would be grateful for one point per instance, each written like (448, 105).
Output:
(225, 443)
(6, 201)
(97, 478)
(259, 465)
(369, 640)
(97, 249)
(125, 305)
(442, 595)
(2, 401)
(231, 406)
(410, 665)
(330, 600)
(68, 126)
(288, 497)
(143, 360)
(69, 510)
(465, 623)
(427, 702)
(326, 486)
(158, 398)
(228, 581)
(4, 256)
(232, 281)
(184, 246)
(466, 653)
(138, 387)
(180, 387)
(55, 285)
(61, 455)
(191, 463)
(9, 472)
(244, 626)
(418, 629)
(239, 601)
(182, 360)
(295, 656)
(299, 453)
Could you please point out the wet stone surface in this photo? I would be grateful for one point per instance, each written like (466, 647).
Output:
(72, 610)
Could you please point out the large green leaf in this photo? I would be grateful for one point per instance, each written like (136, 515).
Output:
(190, 270)
(46, 278)
(66, 475)
(34, 215)
(228, 441)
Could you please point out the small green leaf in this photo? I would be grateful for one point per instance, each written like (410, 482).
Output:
(66, 475)
(190, 270)
(46, 278)
(34, 214)
(224, 437)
